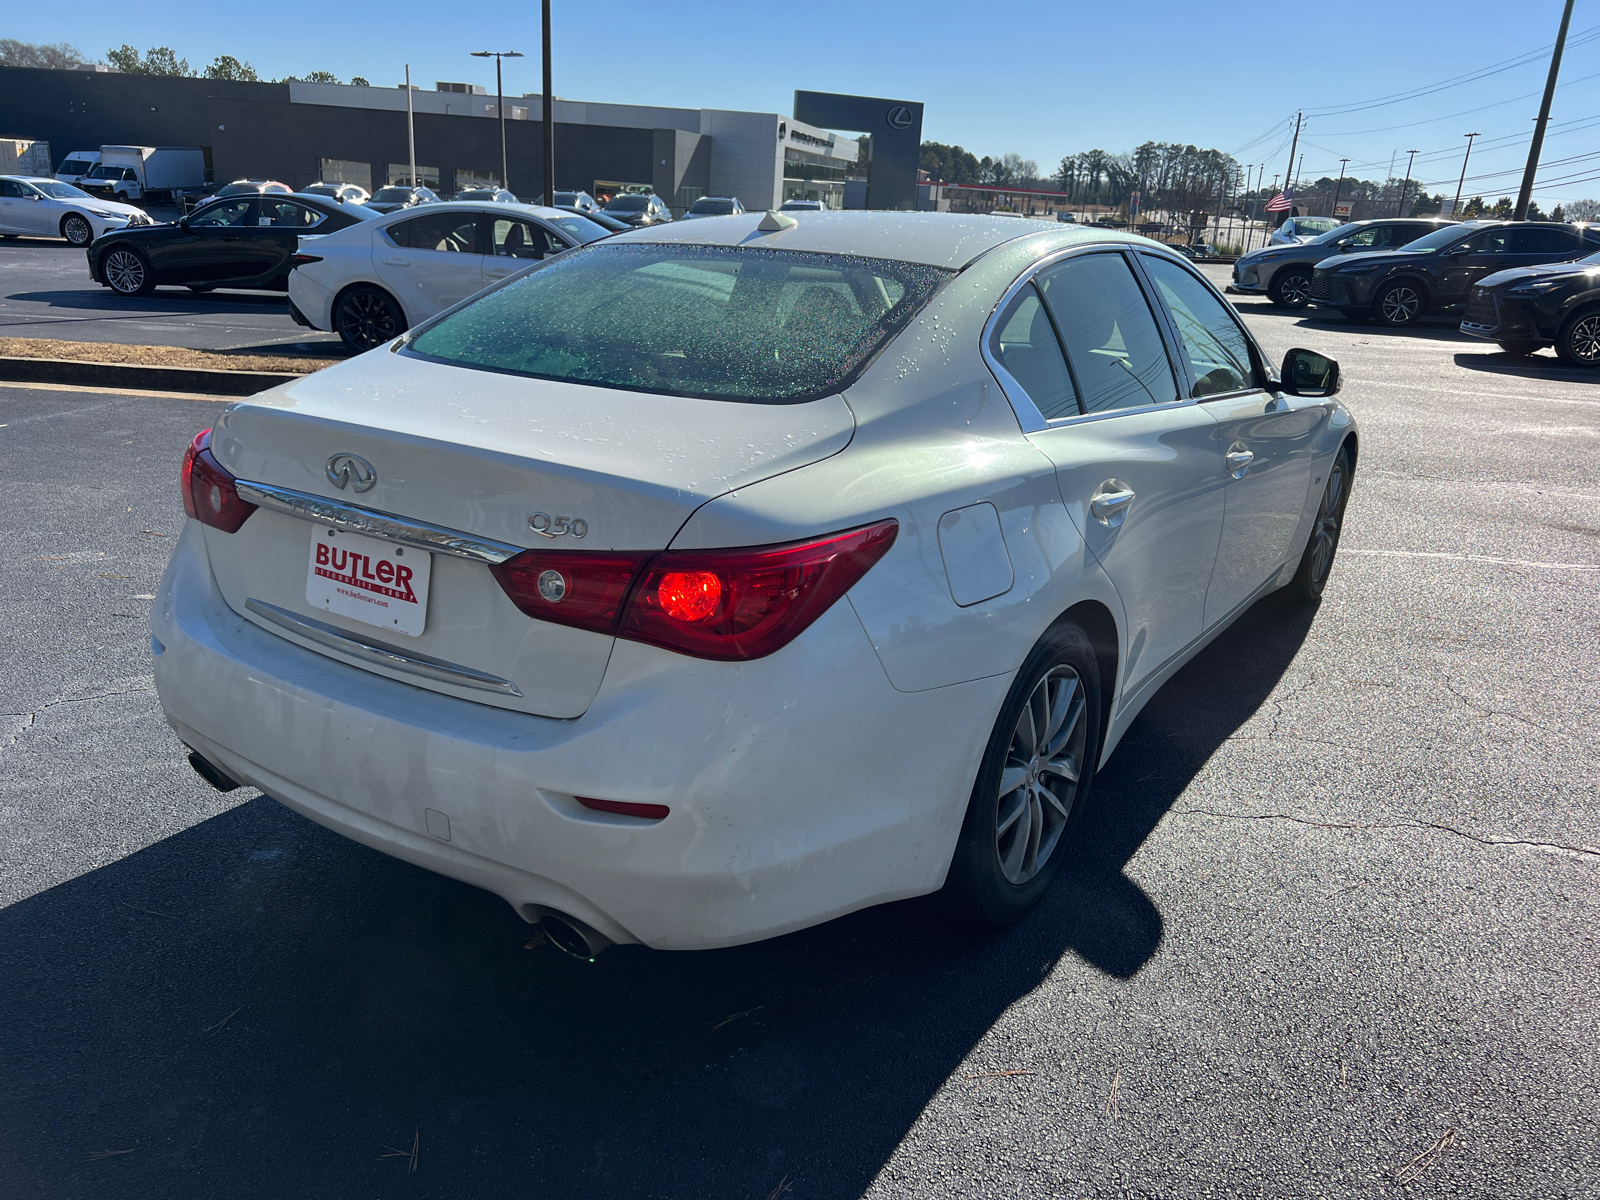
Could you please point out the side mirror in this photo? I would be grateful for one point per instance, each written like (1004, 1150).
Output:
(1307, 373)
(184, 220)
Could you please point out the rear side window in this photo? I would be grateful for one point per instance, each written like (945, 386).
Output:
(719, 322)
(1025, 343)
(1110, 335)
(1543, 241)
(283, 214)
(452, 231)
(224, 212)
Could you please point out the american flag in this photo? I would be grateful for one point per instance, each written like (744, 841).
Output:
(1282, 202)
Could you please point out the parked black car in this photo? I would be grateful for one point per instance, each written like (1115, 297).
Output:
(390, 199)
(236, 242)
(1435, 273)
(1283, 273)
(1529, 308)
(253, 187)
(638, 209)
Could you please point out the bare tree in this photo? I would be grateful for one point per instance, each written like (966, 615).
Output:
(55, 56)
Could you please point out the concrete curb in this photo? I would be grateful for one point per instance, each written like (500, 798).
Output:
(134, 375)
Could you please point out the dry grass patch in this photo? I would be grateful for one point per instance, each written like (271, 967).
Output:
(167, 356)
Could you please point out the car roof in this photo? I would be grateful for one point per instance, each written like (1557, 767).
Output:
(932, 238)
(493, 207)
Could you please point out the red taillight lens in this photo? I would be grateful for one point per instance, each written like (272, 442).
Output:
(208, 492)
(748, 603)
(301, 260)
(570, 587)
(721, 604)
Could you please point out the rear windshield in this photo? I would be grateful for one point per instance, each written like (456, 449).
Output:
(581, 228)
(1315, 225)
(395, 193)
(718, 322)
(715, 208)
(629, 204)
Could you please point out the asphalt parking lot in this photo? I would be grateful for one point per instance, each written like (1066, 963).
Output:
(1330, 932)
(46, 292)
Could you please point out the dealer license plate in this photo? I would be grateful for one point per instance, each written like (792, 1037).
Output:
(369, 580)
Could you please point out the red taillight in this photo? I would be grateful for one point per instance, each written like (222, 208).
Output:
(720, 604)
(301, 260)
(208, 492)
(570, 587)
(650, 812)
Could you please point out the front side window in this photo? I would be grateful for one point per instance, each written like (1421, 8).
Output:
(224, 212)
(719, 322)
(452, 232)
(11, 189)
(1373, 237)
(1025, 343)
(1110, 335)
(283, 214)
(524, 239)
(1216, 347)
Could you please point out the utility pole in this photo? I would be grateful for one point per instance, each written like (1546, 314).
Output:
(411, 129)
(549, 118)
(1338, 186)
(1288, 187)
(1245, 205)
(1526, 194)
(1400, 208)
(1456, 207)
(500, 105)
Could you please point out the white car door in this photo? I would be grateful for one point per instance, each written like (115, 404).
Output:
(11, 202)
(1266, 439)
(430, 261)
(1138, 466)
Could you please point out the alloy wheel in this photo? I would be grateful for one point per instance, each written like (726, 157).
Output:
(1296, 290)
(77, 231)
(124, 271)
(1325, 537)
(1039, 781)
(366, 320)
(1585, 339)
(1400, 305)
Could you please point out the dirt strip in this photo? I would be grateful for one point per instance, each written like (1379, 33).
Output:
(167, 356)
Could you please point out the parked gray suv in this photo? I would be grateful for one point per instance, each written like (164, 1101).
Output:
(1283, 273)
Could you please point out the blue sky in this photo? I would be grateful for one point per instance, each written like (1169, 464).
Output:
(1037, 78)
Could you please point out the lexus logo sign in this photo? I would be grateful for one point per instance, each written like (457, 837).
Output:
(899, 117)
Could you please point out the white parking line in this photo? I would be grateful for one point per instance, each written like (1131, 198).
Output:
(1478, 558)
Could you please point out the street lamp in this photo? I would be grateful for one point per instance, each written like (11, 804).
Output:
(500, 104)
(1338, 186)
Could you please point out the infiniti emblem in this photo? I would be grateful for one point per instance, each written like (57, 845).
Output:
(351, 471)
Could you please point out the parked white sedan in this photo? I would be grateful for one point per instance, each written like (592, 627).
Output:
(723, 577)
(32, 206)
(371, 282)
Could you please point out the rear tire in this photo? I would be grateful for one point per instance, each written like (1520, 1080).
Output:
(1317, 561)
(76, 229)
(1399, 304)
(1522, 349)
(367, 316)
(127, 272)
(1579, 341)
(1033, 787)
(1291, 288)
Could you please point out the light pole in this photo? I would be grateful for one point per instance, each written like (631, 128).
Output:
(500, 105)
(549, 114)
(1338, 186)
(1400, 208)
(1456, 207)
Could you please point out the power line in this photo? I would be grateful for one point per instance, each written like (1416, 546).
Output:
(1451, 116)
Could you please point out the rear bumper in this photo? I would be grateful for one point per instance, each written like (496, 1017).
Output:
(298, 317)
(801, 786)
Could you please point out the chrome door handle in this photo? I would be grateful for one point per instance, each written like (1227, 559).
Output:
(1238, 459)
(1109, 504)
(496, 273)
(396, 262)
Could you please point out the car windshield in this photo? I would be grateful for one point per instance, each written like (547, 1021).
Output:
(60, 191)
(75, 166)
(1305, 225)
(712, 208)
(628, 204)
(101, 171)
(718, 322)
(398, 195)
(566, 199)
(1432, 241)
(1333, 235)
(581, 228)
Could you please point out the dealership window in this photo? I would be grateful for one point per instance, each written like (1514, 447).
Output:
(342, 170)
(400, 176)
(466, 178)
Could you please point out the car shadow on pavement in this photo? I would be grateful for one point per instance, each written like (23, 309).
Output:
(166, 299)
(256, 1006)
(1537, 366)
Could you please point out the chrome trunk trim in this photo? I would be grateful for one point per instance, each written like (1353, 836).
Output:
(377, 524)
(377, 653)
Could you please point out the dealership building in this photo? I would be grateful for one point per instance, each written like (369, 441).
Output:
(300, 133)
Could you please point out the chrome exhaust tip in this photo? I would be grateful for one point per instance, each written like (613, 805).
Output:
(571, 936)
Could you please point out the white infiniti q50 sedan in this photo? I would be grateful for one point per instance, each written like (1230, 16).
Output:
(724, 577)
